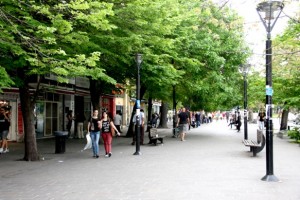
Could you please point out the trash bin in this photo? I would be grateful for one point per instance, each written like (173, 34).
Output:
(60, 141)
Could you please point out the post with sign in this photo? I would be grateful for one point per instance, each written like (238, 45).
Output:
(269, 12)
(138, 60)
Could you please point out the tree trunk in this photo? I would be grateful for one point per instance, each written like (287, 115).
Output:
(95, 92)
(163, 115)
(131, 126)
(284, 119)
(27, 106)
(149, 113)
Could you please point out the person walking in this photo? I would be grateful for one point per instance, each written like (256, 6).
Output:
(80, 118)
(198, 119)
(118, 121)
(227, 116)
(261, 119)
(238, 122)
(94, 130)
(70, 118)
(4, 129)
(154, 119)
(107, 127)
(183, 123)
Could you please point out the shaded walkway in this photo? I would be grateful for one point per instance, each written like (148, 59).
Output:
(212, 164)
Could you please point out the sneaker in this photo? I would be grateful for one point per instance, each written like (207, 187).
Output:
(6, 151)
(109, 154)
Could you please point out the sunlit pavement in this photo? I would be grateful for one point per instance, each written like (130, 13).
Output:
(212, 163)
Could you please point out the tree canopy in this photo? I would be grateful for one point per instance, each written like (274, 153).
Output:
(193, 45)
(287, 66)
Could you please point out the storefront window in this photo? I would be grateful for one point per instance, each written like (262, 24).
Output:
(46, 116)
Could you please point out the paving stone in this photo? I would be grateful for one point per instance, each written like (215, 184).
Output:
(212, 164)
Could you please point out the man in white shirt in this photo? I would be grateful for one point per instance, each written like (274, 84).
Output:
(142, 117)
(118, 121)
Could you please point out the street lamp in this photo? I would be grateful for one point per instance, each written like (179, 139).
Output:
(244, 69)
(174, 111)
(266, 11)
(138, 59)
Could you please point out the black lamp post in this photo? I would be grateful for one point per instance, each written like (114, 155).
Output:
(244, 70)
(174, 111)
(269, 8)
(138, 59)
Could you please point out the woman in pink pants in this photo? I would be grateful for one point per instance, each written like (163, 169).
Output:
(106, 126)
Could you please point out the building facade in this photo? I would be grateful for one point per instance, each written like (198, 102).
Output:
(54, 102)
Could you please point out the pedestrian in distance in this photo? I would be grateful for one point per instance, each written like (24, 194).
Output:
(107, 129)
(70, 118)
(261, 119)
(154, 119)
(183, 123)
(190, 118)
(118, 121)
(198, 119)
(80, 118)
(227, 116)
(232, 120)
(238, 122)
(4, 129)
(94, 131)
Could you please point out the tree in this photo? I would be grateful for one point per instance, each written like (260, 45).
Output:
(44, 37)
(210, 48)
(287, 70)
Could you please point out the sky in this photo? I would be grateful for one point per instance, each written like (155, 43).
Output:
(254, 29)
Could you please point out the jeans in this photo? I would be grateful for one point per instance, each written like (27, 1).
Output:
(107, 139)
(261, 125)
(198, 123)
(95, 137)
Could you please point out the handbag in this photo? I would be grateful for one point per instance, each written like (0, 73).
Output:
(112, 130)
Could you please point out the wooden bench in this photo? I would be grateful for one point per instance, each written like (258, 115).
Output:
(154, 137)
(256, 146)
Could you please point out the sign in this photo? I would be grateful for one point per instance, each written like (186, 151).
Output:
(269, 91)
(138, 104)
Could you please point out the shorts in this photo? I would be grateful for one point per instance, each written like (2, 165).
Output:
(183, 128)
(4, 134)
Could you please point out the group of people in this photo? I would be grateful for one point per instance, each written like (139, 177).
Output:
(202, 117)
(4, 127)
(235, 119)
(105, 127)
(97, 127)
(101, 127)
(152, 123)
(187, 119)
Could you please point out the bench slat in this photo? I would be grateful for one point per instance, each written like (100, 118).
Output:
(256, 146)
(251, 143)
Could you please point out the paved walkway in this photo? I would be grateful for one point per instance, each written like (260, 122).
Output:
(212, 164)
